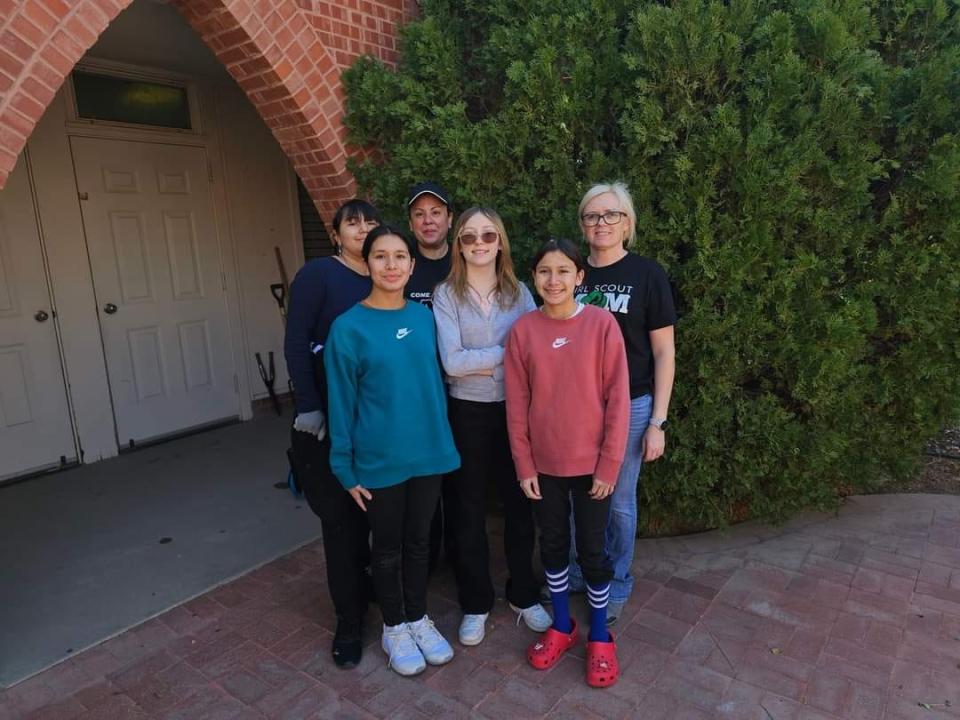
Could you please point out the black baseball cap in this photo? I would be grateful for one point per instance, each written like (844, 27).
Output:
(428, 188)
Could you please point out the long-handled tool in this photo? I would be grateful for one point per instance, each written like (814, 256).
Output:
(284, 280)
(269, 375)
(280, 292)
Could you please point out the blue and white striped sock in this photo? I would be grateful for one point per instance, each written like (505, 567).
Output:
(598, 596)
(559, 586)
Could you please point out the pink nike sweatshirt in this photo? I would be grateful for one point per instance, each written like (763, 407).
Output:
(568, 395)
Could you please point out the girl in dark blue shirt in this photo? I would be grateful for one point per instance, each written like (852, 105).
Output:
(322, 290)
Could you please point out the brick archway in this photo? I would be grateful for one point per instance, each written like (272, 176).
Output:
(287, 55)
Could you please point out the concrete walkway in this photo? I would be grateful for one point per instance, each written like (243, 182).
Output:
(90, 552)
(849, 616)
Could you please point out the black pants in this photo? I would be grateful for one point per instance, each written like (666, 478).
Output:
(400, 517)
(480, 432)
(590, 516)
(443, 533)
(346, 534)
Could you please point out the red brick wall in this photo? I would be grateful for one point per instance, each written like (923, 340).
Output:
(286, 54)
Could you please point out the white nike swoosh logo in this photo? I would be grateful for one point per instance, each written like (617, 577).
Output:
(560, 342)
(403, 332)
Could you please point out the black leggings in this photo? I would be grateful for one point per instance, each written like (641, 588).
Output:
(399, 518)
(553, 517)
(346, 534)
(480, 431)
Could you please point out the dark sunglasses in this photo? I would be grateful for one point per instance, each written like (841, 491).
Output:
(487, 238)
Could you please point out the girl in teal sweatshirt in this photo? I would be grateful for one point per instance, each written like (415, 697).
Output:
(391, 441)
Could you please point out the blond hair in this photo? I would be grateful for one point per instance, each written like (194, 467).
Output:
(618, 189)
(508, 287)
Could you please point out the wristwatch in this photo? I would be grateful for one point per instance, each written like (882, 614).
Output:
(660, 423)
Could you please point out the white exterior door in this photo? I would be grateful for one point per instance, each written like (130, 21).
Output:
(35, 428)
(149, 223)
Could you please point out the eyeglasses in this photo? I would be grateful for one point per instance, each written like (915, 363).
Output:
(610, 217)
(488, 237)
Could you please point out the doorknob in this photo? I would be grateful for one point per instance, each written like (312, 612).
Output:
(41, 316)
(109, 308)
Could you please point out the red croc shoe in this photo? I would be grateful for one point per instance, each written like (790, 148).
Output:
(551, 646)
(603, 670)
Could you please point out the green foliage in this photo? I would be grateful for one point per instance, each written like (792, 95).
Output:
(796, 167)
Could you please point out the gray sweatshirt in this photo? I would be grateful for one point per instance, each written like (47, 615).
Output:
(470, 342)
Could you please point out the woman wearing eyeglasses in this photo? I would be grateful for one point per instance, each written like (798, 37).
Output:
(635, 289)
(475, 308)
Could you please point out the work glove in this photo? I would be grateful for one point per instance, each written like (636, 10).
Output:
(311, 422)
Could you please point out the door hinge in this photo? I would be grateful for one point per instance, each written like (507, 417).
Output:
(236, 383)
(223, 281)
(210, 171)
(83, 195)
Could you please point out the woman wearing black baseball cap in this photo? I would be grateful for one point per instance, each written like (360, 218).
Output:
(428, 208)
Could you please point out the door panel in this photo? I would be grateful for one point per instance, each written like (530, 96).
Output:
(130, 256)
(35, 428)
(148, 218)
(14, 380)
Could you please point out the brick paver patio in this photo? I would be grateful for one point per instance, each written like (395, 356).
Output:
(849, 616)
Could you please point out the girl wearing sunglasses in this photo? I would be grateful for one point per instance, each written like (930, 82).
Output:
(475, 308)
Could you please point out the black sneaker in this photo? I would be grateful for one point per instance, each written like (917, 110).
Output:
(347, 644)
(614, 611)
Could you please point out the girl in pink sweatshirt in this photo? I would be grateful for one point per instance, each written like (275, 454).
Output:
(568, 405)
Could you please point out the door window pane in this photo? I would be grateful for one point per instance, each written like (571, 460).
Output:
(102, 97)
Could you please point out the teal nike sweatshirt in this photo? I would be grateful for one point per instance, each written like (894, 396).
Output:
(387, 406)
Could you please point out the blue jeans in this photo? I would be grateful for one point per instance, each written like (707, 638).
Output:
(622, 525)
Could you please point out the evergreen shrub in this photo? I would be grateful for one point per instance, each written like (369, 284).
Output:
(796, 168)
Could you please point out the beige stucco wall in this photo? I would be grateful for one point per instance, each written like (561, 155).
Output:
(261, 198)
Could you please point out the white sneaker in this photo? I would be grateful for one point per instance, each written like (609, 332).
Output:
(405, 656)
(472, 629)
(534, 617)
(435, 648)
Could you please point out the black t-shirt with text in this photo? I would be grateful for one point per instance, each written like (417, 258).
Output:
(427, 274)
(636, 290)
